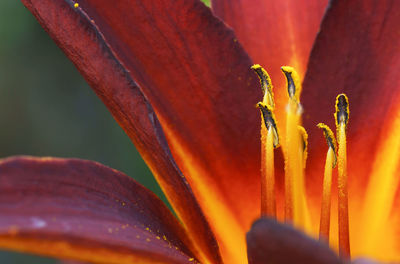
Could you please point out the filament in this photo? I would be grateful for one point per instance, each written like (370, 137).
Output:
(326, 197)
(268, 201)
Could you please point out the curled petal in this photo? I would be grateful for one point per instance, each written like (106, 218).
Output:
(75, 209)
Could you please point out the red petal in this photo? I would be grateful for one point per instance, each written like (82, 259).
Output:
(361, 60)
(356, 53)
(83, 210)
(275, 33)
(198, 79)
(82, 42)
(271, 242)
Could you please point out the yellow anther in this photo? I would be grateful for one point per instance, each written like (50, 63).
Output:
(266, 85)
(76, 5)
(342, 110)
(293, 82)
(330, 140)
(269, 121)
(304, 138)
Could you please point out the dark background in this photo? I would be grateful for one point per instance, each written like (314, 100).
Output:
(47, 109)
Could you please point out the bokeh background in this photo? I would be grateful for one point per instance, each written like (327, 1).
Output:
(47, 109)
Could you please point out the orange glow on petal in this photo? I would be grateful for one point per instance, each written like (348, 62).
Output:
(377, 238)
(225, 225)
(63, 249)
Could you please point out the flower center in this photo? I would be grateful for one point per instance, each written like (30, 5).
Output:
(294, 148)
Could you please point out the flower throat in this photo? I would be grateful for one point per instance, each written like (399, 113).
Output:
(294, 147)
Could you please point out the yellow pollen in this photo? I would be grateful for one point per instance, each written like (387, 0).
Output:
(76, 5)
(266, 85)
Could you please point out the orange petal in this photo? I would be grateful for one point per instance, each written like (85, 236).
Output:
(85, 45)
(69, 208)
(275, 33)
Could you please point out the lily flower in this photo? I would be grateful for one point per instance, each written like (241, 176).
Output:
(176, 75)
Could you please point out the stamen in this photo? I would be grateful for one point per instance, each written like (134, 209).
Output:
(269, 140)
(266, 85)
(295, 204)
(330, 163)
(341, 119)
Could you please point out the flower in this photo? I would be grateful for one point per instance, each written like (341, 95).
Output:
(178, 80)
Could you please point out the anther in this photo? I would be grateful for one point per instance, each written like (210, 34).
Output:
(269, 121)
(342, 110)
(293, 82)
(266, 85)
(330, 140)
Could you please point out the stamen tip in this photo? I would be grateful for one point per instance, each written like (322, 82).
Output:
(266, 84)
(269, 120)
(330, 140)
(341, 110)
(293, 82)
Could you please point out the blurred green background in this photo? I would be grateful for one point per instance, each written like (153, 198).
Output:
(47, 109)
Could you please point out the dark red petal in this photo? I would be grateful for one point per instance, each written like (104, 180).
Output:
(275, 33)
(77, 209)
(356, 53)
(361, 60)
(82, 42)
(271, 242)
(196, 76)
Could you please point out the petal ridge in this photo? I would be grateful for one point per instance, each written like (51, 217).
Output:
(81, 40)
